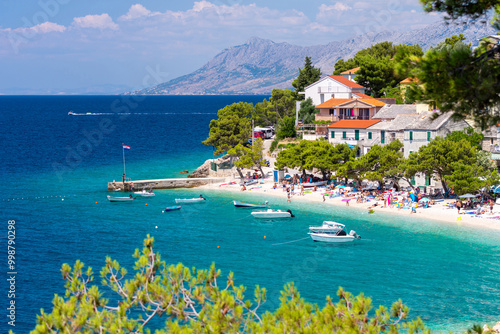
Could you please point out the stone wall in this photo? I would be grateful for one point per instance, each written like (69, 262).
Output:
(164, 183)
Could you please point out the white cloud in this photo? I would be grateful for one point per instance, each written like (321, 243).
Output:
(47, 27)
(103, 21)
(327, 12)
(137, 11)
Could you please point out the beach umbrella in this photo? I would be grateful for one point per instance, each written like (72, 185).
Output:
(340, 186)
(346, 199)
(468, 196)
(425, 199)
(496, 189)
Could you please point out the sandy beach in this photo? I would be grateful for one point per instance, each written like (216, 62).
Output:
(443, 212)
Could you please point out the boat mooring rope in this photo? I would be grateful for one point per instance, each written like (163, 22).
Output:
(289, 242)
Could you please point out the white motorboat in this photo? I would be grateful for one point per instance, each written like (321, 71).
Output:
(312, 184)
(190, 200)
(248, 183)
(145, 193)
(327, 227)
(272, 214)
(249, 205)
(120, 199)
(335, 233)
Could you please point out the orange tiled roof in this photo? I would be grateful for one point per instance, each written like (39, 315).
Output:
(409, 80)
(352, 70)
(363, 95)
(336, 102)
(353, 124)
(345, 81)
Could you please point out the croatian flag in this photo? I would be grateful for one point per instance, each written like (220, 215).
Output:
(125, 147)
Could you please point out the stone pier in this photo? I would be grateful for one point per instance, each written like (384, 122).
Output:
(163, 183)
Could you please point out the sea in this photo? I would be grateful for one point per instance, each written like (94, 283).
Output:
(53, 187)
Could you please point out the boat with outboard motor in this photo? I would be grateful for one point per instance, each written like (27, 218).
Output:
(332, 232)
(250, 205)
(272, 214)
(200, 199)
(120, 199)
(314, 184)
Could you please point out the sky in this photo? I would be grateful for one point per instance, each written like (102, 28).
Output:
(76, 46)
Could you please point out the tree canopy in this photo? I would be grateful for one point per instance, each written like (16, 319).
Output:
(202, 301)
(232, 127)
(307, 75)
(307, 112)
(454, 78)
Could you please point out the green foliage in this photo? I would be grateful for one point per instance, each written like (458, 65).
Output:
(473, 137)
(249, 157)
(308, 75)
(281, 104)
(307, 111)
(286, 129)
(274, 144)
(202, 301)
(232, 127)
(378, 67)
(468, 179)
(455, 78)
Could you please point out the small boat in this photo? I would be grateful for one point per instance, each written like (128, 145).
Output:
(272, 214)
(190, 200)
(336, 234)
(71, 112)
(120, 199)
(145, 193)
(172, 208)
(312, 184)
(328, 226)
(250, 205)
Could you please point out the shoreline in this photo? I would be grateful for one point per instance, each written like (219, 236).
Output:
(438, 212)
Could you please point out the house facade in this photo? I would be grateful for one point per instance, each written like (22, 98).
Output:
(352, 132)
(333, 86)
(335, 109)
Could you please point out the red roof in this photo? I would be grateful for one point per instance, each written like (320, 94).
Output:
(353, 124)
(352, 70)
(363, 95)
(345, 81)
(336, 102)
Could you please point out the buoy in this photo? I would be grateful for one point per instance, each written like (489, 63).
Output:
(95, 202)
(264, 237)
(218, 246)
(156, 226)
(146, 204)
(163, 212)
(62, 199)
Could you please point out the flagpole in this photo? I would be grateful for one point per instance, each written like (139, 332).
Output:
(123, 149)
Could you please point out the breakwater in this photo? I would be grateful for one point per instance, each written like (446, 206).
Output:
(163, 183)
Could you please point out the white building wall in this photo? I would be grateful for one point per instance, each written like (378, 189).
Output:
(414, 139)
(327, 88)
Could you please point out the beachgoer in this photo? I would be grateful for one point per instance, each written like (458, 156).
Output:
(130, 196)
(243, 188)
(459, 205)
(301, 190)
(275, 186)
(123, 178)
(289, 199)
(323, 197)
(491, 203)
(201, 196)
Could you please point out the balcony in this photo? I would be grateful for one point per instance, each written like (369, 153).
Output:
(329, 118)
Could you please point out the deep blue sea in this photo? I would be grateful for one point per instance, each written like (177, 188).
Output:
(53, 183)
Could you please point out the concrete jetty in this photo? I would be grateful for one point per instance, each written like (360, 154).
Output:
(136, 185)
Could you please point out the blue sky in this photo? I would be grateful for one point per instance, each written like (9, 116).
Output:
(71, 46)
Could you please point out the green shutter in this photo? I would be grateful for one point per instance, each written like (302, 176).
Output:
(344, 135)
(382, 137)
(411, 135)
(413, 180)
(427, 180)
(428, 136)
(356, 134)
(369, 135)
(332, 134)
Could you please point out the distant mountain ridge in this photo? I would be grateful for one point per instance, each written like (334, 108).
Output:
(260, 65)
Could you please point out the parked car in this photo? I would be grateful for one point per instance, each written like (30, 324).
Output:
(259, 134)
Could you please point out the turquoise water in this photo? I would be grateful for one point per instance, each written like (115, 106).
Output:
(449, 275)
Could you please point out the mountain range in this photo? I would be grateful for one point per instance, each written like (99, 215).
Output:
(259, 65)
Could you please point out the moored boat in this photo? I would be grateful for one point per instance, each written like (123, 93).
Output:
(272, 214)
(172, 208)
(145, 193)
(334, 233)
(190, 200)
(250, 205)
(120, 199)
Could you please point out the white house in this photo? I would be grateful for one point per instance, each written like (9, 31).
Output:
(333, 86)
(352, 132)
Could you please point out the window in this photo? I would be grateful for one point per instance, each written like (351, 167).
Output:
(369, 135)
(344, 135)
(413, 180)
(345, 113)
(427, 180)
(411, 135)
(332, 134)
(356, 134)
(382, 137)
(331, 111)
(363, 113)
(428, 136)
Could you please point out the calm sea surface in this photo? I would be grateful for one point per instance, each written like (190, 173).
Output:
(56, 167)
